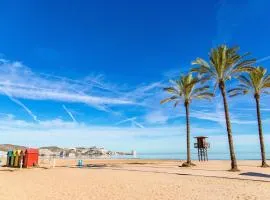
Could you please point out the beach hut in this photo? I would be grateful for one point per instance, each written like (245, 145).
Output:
(17, 158)
(13, 158)
(30, 158)
(21, 158)
(9, 157)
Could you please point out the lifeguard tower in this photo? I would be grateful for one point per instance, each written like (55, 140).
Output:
(202, 145)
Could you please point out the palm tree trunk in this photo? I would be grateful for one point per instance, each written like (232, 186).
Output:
(188, 133)
(257, 98)
(228, 125)
(188, 163)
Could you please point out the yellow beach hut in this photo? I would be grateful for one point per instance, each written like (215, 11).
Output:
(16, 158)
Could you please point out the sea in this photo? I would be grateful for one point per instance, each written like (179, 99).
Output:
(182, 156)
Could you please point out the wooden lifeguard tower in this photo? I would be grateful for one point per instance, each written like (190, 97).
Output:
(202, 145)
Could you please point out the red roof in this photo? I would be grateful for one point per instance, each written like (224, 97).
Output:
(30, 150)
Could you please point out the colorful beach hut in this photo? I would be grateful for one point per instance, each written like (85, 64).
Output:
(21, 158)
(30, 158)
(17, 158)
(12, 158)
(9, 157)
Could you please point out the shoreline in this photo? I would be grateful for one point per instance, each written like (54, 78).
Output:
(138, 158)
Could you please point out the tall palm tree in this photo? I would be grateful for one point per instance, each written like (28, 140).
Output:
(184, 90)
(256, 82)
(225, 63)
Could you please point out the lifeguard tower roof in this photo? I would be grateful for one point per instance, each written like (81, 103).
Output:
(201, 137)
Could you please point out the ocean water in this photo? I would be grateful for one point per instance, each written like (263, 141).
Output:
(182, 156)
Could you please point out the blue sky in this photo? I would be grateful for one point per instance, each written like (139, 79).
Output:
(91, 72)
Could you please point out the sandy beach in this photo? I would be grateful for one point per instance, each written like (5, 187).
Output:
(135, 179)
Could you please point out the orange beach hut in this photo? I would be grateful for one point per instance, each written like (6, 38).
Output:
(30, 158)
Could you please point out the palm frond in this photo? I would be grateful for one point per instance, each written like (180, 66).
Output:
(203, 95)
(245, 63)
(186, 88)
(242, 69)
(168, 99)
(236, 90)
(235, 94)
(170, 90)
(266, 85)
(243, 86)
(254, 82)
(200, 89)
(244, 80)
(200, 62)
(226, 62)
(266, 82)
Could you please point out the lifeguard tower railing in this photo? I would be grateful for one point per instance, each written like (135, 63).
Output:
(204, 145)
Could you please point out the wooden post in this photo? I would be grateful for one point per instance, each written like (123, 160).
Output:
(199, 154)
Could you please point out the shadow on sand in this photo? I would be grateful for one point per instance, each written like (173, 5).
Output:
(119, 168)
(86, 166)
(256, 174)
(7, 170)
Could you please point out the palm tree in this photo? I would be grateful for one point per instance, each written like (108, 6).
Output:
(225, 63)
(185, 89)
(256, 82)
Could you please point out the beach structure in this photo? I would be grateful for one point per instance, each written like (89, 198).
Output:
(80, 163)
(30, 158)
(134, 153)
(202, 145)
(16, 158)
(19, 158)
(2, 155)
(9, 157)
(13, 158)
(63, 154)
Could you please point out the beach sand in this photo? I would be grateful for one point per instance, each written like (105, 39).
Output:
(135, 179)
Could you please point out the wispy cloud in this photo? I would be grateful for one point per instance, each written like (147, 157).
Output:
(19, 81)
(216, 115)
(219, 117)
(156, 117)
(143, 92)
(69, 113)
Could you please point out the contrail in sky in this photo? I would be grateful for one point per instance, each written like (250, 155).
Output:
(138, 124)
(23, 106)
(132, 120)
(69, 113)
(126, 120)
(263, 59)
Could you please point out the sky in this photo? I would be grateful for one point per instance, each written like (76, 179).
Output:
(85, 73)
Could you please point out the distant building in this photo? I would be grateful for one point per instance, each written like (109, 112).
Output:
(134, 153)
